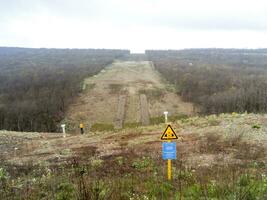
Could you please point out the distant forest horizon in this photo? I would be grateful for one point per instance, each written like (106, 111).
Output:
(38, 85)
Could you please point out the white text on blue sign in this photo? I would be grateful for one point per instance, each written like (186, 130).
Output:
(169, 150)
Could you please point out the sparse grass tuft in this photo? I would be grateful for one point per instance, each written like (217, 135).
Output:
(129, 176)
(115, 88)
(65, 191)
(217, 159)
(214, 143)
(88, 86)
(132, 125)
(172, 118)
(157, 120)
(102, 127)
(176, 117)
(143, 163)
(96, 163)
(154, 94)
(256, 126)
(211, 143)
(249, 151)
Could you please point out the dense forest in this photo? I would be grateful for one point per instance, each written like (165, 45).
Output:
(36, 85)
(217, 80)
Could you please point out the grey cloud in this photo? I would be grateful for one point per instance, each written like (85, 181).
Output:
(123, 18)
(103, 10)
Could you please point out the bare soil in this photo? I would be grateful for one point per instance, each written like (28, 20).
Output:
(144, 110)
(99, 101)
(231, 140)
(119, 119)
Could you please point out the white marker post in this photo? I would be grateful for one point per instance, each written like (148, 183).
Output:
(15, 151)
(166, 116)
(63, 129)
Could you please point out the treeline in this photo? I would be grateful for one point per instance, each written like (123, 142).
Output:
(37, 85)
(217, 80)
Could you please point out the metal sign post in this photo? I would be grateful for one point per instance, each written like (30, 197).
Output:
(169, 153)
(169, 149)
(169, 169)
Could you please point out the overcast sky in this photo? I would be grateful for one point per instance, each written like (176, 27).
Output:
(134, 24)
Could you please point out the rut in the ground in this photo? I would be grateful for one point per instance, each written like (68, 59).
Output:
(119, 119)
(120, 115)
(144, 110)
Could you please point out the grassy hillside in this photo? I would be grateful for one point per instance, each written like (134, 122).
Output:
(218, 157)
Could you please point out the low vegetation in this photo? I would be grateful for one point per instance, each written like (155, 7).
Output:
(153, 94)
(219, 157)
(115, 88)
(132, 124)
(102, 127)
(137, 177)
(171, 118)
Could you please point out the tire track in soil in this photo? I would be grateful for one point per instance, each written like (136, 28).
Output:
(119, 119)
(144, 110)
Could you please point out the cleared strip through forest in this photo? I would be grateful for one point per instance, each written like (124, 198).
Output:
(125, 92)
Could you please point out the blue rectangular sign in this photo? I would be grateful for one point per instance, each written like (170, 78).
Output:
(169, 150)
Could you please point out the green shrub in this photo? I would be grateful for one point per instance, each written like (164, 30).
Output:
(181, 116)
(256, 126)
(65, 191)
(143, 163)
(100, 190)
(96, 163)
(159, 190)
(157, 120)
(3, 174)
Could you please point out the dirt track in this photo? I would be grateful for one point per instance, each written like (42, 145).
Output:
(99, 101)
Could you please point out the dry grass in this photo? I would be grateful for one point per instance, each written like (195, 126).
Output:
(203, 143)
(217, 155)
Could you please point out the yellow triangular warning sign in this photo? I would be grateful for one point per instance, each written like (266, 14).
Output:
(169, 134)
